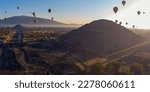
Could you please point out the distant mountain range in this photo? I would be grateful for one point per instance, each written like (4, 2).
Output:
(100, 37)
(29, 21)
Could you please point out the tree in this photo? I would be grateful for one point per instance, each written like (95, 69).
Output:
(136, 69)
(97, 69)
(124, 70)
(113, 68)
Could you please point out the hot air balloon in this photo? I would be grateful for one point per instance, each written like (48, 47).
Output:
(120, 23)
(49, 10)
(17, 7)
(33, 14)
(116, 21)
(126, 23)
(5, 12)
(133, 26)
(138, 12)
(52, 18)
(115, 9)
(5, 18)
(123, 2)
(143, 12)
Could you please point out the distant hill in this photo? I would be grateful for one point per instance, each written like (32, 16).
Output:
(19, 28)
(29, 21)
(99, 37)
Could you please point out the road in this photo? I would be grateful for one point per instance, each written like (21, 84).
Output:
(118, 55)
(12, 43)
(126, 52)
(110, 57)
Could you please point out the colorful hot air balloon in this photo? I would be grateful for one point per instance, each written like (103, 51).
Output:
(123, 2)
(115, 9)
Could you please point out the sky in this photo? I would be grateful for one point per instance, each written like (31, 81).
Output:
(129, 14)
(80, 11)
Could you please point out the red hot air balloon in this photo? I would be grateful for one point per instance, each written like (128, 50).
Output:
(123, 2)
(115, 9)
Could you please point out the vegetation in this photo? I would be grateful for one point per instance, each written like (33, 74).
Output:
(116, 68)
(136, 69)
(35, 51)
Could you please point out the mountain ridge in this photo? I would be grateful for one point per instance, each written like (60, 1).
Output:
(29, 21)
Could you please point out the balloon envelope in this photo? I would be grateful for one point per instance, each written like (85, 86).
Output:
(138, 12)
(18, 7)
(123, 2)
(120, 23)
(115, 9)
(49, 10)
(116, 21)
(5, 18)
(33, 14)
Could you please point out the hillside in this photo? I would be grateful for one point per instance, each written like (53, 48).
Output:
(29, 21)
(99, 38)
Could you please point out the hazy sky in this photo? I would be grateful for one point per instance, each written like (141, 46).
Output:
(80, 11)
(129, 14)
